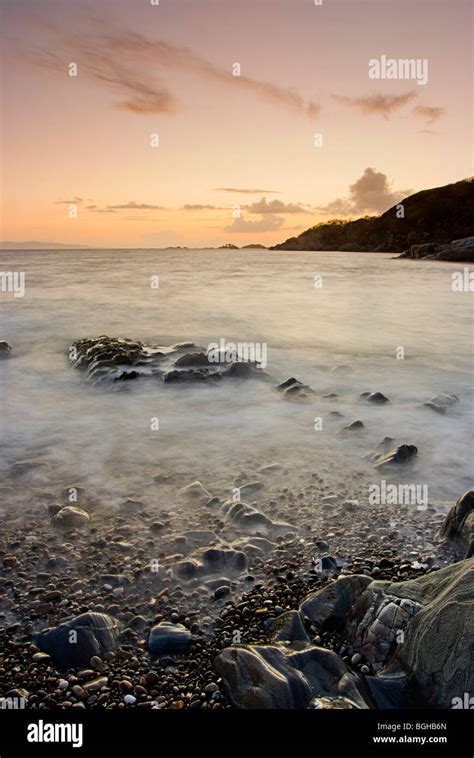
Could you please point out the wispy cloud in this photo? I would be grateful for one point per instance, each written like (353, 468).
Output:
(246, 191)
(135, 67)
(74, 201)
(197, 207)
(370, 194)
(378, 104)
(429, 113)
(132, 205)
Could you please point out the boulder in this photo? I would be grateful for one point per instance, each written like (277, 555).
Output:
(330, 606)
(457, 531)
(168, 638)
(269, 676)
(73, 643)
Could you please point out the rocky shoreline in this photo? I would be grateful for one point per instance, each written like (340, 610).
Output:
(177, 596)
(157, 653)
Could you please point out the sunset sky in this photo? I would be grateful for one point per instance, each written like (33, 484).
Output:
(228, 145)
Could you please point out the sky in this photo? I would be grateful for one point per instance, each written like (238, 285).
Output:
(198, 122)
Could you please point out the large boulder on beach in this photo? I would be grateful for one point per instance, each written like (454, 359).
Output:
(74, 642)
(5, 349)
(270, 676)
(438, 646)
(457, 531)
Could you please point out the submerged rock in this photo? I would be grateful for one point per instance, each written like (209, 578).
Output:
(440, 403)
(191, 375)
(293, 389)
(168, 638)
(398, 455)
(377, 398)
(74, 642)
(457, 531)
(5, 349)
(356, 426)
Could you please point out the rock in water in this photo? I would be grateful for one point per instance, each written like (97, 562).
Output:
(398, 455)
(5, 349)
(356, 426)
(378, 398)
(440, 403)
(168, 638)
(270, 676)
(458, 528)
(71, 516)
(73, 643)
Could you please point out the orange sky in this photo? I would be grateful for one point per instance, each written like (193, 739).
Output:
(168, 70)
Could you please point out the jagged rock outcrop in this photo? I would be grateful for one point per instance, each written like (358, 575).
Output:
(457, 531)
(418, 636)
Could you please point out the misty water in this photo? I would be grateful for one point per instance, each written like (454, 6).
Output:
(367, 308)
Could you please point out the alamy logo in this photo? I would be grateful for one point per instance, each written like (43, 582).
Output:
(464, 702)
(403, 68)
(399, 494)
(12, 703)
(13, 281)
(44, 732)
(241, 352)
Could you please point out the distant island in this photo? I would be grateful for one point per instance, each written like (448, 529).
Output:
(437, 215)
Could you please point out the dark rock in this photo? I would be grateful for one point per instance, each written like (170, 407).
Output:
(377, 398)
(168, 638)
(191, 375)
(5, 349)
(71, 516)
(458, 529)
(398, 455)
(356, 426)
(192, 359)
(74, 642)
